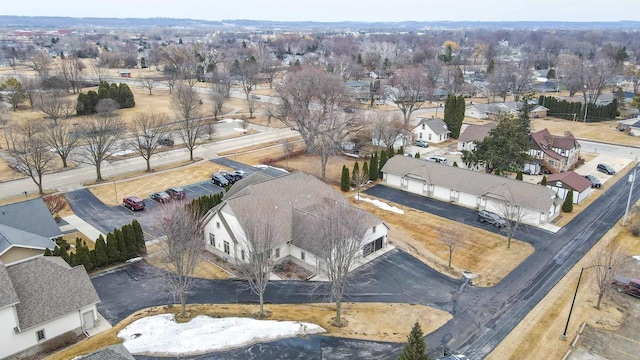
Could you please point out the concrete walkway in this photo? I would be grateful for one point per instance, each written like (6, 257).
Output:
(359, 262)
(84, 227)
(101, 325)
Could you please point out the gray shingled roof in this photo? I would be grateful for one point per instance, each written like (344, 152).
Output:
(48, 288)
(113, 352)
(276, 197)
(8, 295)
(31, 216)
(10, 237)
(436, 125)
(475, 132)
(531, 196)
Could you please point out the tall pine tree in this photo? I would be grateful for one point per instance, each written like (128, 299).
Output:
(100, 252)
(355, 174)
(113, 252)
(365, 172)
(141, 245)
(373, 167)
(344, 180)
(383, 160)
(415, 348)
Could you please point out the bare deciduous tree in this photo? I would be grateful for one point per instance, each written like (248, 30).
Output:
(55, 203)
(606, 261)
(385, 128)
(512, 214)
(180, 248)
(101, 137)
(411, 89)
(147, 129)
(63, 140)
(597, 77)
(217, 100)
(42, 63)
(71, 68)
(186, 104)
(313, 102)
(31, 156)
(261, 240)
(5, 118)
(107, 107)
(450, 237)
(148, 84)
(338, 229)
(55, 105)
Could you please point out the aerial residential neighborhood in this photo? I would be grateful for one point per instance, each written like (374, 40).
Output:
(366, 184)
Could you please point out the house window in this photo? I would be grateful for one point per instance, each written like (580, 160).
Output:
(212, 239)
(40, 335)
(429, 136)
(217, 225)
(242, 254)
(226, 247)
(420, 135)
(374, 229)
(302, 255)
(423, 127)
(277, 253)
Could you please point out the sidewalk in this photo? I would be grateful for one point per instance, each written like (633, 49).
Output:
(84, 227)
(101, 325)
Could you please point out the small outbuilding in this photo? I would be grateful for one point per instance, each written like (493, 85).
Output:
(562, 183)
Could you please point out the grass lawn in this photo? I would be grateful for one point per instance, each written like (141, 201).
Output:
(364, 319)
(538, 334)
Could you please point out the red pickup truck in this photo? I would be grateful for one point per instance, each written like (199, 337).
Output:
(133, 202)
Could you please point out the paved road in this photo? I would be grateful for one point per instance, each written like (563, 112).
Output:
(492, 313)
(393, 277)
(73, 179)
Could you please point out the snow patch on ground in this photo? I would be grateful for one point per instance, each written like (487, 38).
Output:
(240, 130)
(161, 335)
(230, 120)
(270, 167)
(381, 205)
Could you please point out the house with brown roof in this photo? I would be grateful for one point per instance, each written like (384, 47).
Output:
(539, 205)
(556, 153)
(288, 200)
(40, 299)
(431, 130)
(473, 133)
(564, 182)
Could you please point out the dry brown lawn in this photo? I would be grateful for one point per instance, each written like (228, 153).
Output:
(71, 239)
(600, 131)
(205, 269)
(481, 252)
(111, 193)
(364, 320)
(538, 334)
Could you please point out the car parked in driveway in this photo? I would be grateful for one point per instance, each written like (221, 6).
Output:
(165, 141)
(177, 193)
(219, 180)
(607, 169)
(231, 178)
(491, 218)
(595, 183)
(421, 143)
(161, 197)
(133, 203)
(239, 174)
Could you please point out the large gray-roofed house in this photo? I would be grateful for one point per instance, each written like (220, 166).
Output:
(470, 188)
(17, 245)
(53, 298)
(278, 198)
(31, 216)
(473, 133)
(432, 130)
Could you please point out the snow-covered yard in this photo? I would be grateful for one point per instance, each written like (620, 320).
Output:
(162, 335)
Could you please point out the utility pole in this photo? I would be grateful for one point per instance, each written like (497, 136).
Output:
(632, 181)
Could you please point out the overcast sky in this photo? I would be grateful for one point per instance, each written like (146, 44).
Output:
(335, 10)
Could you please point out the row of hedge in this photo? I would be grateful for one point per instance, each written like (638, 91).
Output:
(121, 94)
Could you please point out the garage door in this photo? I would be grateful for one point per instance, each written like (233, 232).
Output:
(372, 247)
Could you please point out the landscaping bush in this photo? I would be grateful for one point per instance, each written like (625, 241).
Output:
(635, 227)
(59, 342)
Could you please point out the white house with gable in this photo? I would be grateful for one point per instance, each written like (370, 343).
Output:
(285, 198)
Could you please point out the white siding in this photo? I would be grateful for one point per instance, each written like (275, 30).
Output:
(13, 343)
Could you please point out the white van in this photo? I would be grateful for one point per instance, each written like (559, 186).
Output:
(437, 159)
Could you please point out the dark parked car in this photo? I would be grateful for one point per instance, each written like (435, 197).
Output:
(177, 193)
(421, 143)
(595, 183)
(231, 178)
(165, 142)
(219, 180)
(607, 169)
(133, 203)
(161, 197)
(239, 174)
(491, 218)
